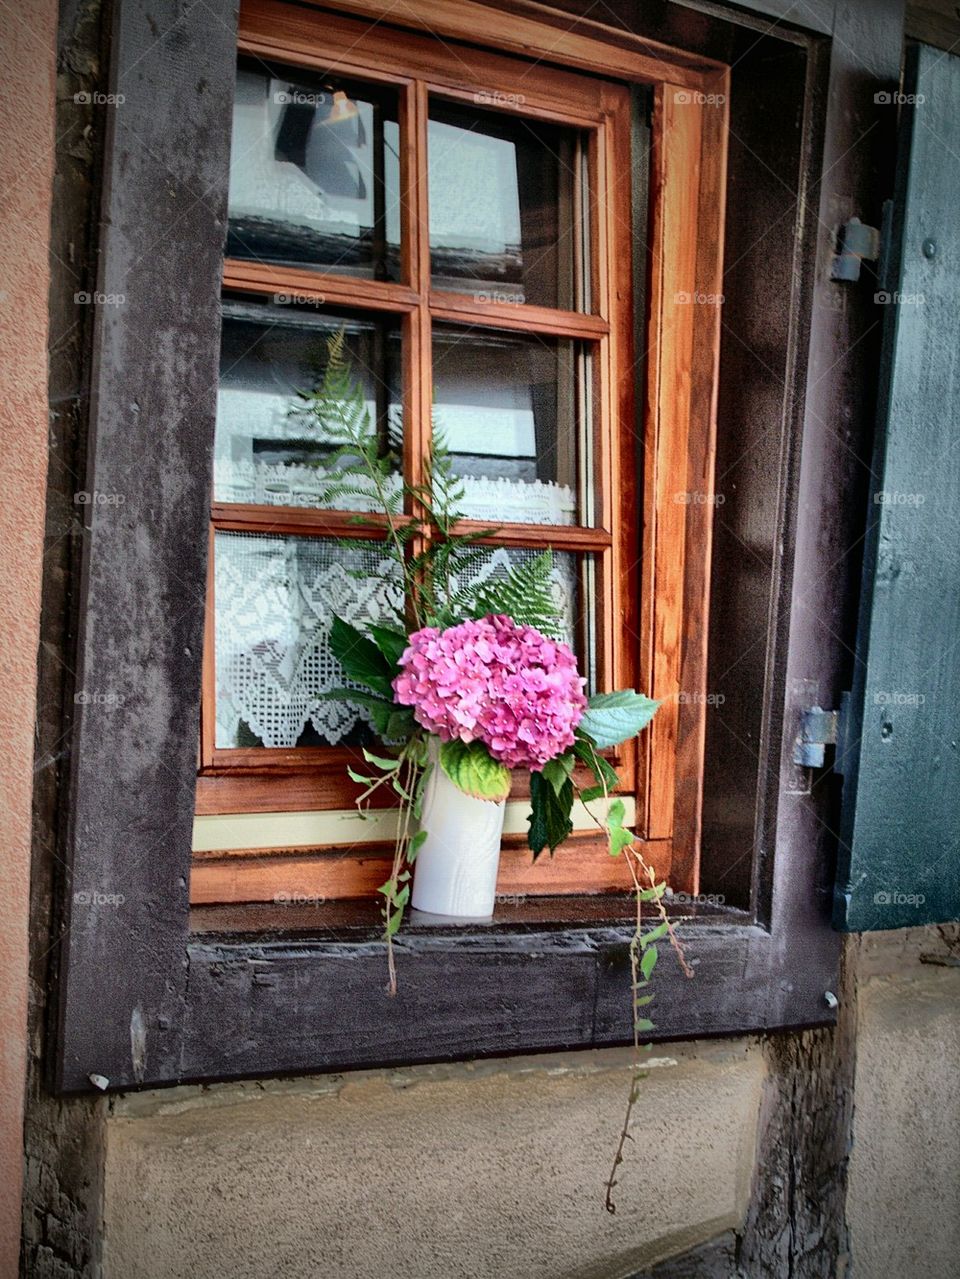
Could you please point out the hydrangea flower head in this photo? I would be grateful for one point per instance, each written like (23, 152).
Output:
(506, 685)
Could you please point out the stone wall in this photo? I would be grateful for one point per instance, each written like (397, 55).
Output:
(491, 1169)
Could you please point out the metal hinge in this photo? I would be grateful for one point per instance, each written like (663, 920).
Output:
(818, 730)
(858, 243)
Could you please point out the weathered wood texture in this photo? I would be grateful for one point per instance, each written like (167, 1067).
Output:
(63, 1146)
(153, 400)
(936, 22)
(900, 851)
(297, 1004)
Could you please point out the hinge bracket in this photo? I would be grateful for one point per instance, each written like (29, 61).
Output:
(858, 243)
(818, 730)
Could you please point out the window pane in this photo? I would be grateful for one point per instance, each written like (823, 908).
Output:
(314, 172)
(275, 598)
(514, 413)
(271, 448)
(504, 199)
(574, 593)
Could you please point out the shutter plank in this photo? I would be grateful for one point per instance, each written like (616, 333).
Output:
(900, 846)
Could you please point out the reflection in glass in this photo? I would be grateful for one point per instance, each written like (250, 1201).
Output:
(505, 195)
(268, 450)
(275, 598)
(314, 172)
(511, 409)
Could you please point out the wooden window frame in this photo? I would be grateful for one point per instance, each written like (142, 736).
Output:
(151, 992)
(678, 422)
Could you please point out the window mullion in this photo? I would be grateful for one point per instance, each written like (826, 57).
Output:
(418, 381)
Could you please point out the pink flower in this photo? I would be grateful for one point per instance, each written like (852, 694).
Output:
(506, 685)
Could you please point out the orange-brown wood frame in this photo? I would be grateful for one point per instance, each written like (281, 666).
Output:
(659, 640)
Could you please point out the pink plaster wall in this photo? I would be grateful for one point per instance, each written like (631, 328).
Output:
(27, 89)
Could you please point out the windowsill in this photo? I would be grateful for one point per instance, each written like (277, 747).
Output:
(360, 921)
(309, 995)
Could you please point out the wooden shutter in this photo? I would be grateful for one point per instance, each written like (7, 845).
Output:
(900, 748)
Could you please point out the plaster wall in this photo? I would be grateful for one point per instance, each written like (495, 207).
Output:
(489, 1169)
(903, 1201)
(27, 99)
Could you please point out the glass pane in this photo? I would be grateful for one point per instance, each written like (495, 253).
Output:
(505, 196)
(513, 411)
(315, 172)
(574, 591)
(270, 447)
(275, 598)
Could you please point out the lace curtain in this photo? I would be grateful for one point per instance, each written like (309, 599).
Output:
(275, 601)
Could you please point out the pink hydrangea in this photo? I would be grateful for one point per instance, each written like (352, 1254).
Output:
(507, 685)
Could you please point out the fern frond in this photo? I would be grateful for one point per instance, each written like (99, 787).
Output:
(524, 592)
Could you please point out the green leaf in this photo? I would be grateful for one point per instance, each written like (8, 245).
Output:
(549, 818)
(472, 768)
(399, 726)
(602, 769)
(416, 843)
(618, 835)
(392, 644)
(559, 770)
(360, 657)
(641, 1001)
(611, 718)
(654, 934)
(394, 723)
(388, 765)
(648, 962)
(643, 1023)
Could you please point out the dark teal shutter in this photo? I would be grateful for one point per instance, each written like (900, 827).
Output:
(900, 750)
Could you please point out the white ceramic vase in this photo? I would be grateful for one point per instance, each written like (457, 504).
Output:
(455, 873)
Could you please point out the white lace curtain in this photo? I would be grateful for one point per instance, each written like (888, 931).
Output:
(275, 600)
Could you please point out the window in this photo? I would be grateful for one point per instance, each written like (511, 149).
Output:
(236, 990)
(460, 227)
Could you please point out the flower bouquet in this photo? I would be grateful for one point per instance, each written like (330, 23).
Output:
(473, 683)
